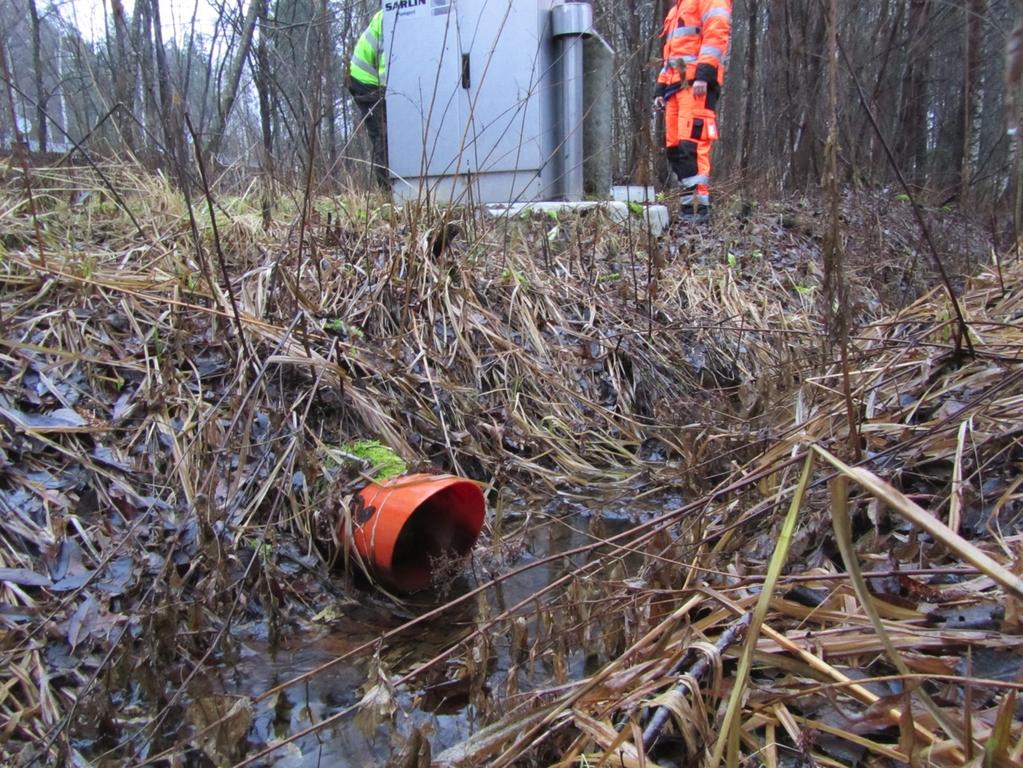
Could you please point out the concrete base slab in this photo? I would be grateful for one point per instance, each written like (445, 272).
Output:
(654, 217)
(633, 193)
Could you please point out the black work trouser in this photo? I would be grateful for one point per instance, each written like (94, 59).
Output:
(373, 114)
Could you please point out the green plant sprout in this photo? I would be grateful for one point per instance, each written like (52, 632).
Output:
(383, 462)
(339, 326)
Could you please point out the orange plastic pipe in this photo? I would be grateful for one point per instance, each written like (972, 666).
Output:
(411, 522)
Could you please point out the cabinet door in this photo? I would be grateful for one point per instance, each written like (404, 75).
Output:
(425, 98)
(505, 42)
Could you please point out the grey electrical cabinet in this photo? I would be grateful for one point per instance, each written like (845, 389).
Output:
(472, 100)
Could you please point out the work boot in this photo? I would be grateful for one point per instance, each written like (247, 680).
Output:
(699, 214)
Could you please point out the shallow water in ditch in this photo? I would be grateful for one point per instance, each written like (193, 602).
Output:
(442, 712)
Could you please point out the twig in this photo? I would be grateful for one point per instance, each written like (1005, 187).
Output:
(964, 330)
(216, 243)
(729, 637)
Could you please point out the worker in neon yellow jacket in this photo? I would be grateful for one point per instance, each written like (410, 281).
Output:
(368, 84)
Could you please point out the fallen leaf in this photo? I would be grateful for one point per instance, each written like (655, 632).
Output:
(82, 622)
(24, 577)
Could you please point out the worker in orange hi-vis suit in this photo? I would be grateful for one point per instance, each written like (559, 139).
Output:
(696, 35)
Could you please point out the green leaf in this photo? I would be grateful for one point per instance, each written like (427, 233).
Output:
(733, 260)
(636, 208)
(842, 523)
(996, 750)
(728, 738)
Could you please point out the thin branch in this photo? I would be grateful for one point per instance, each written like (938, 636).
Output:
(964, 330)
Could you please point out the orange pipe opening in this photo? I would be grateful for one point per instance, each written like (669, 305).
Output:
(412, 522)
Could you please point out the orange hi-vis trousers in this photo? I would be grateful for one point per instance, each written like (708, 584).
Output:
(690, 130)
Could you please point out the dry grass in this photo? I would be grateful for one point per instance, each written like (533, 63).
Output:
(848, 667)
(168, 399)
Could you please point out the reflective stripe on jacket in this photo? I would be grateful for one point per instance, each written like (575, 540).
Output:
(696, 35)
(369, 65)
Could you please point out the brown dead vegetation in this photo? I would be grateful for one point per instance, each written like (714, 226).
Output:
(169, 392)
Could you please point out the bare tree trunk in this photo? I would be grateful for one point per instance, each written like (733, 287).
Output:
(62, 100)
(1013, 75)
(911, 147)
(1014, 57)
(778, 45)
(750, 72)
(330, 101)
(315, 47)
(893, 22)
(37, 64)
(637, 81)
(151, 108)
(122, 74)
(170, 119)
(973, 96)
(813, 33)
(20, 148)
(144, 93)
(330, 79)
(920, 59)
(262, 81)
(234, 76)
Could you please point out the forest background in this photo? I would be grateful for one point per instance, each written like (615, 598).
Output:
(262, 84)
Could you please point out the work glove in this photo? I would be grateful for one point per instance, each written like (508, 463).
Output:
(658, 103)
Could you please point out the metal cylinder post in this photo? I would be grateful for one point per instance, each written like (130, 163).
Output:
(570, 22)
(572, 151)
